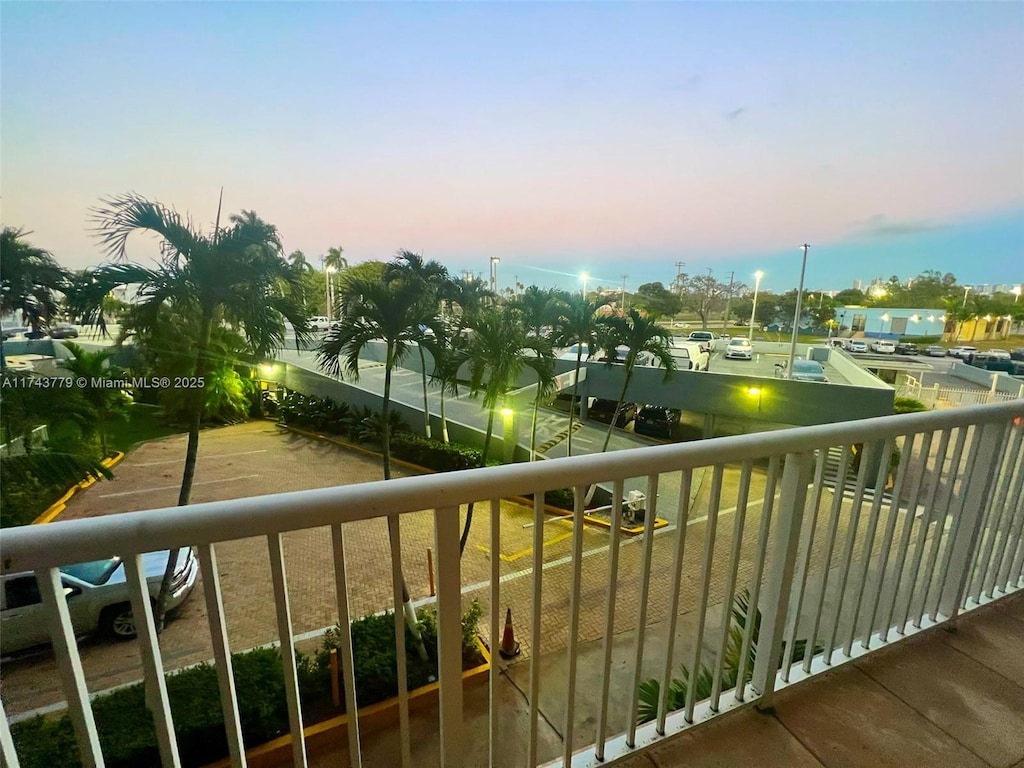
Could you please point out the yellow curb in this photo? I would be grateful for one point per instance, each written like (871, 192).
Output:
(61, 504)
(334, 732)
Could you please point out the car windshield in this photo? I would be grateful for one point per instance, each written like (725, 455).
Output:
(96, 572)
(807, 366)
(739, 343)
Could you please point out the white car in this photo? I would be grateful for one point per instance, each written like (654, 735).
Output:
(883, 346)
(856, 345)
(319, 323)
(739, 349)
(685, 350)
(705, 338)
(1002, 354)
(97, 595)
(963, 352)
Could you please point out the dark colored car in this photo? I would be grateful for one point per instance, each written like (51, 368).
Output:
(1017, 354)
(655, 421)
(63, 331)
(604, 410)
(11, 332)
(907, 348)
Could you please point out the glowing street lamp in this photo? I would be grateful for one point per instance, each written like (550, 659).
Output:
(753, 310)
(1016, 293)
(584, 277)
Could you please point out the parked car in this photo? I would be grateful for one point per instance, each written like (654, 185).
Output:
(319, 323)
(935, 351)
(656, 421)
(1017, 354)
(705, 338)
(603, 411)
(14, 330)
(63, 331)
(97, 595)
(883, 346)
(1000, 353)
(856, 345)
(837, 343)
(990, 362)
(694, 352)
(962, 351)
(569, 353)
(803, 370)
(739, 349)
(906, 348)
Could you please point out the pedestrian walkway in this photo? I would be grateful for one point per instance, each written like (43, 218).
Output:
(947, 697)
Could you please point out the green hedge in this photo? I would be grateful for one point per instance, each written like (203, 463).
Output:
(434, 454)
(125, 726)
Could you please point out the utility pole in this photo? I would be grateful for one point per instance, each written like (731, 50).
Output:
(728, 300)
(679, 273)
(622, 300)
(796, 315)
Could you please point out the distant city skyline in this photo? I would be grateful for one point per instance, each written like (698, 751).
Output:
(562, 138)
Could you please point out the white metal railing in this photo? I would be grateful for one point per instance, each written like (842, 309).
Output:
(937, 396)
(930, 526)
(16, 447)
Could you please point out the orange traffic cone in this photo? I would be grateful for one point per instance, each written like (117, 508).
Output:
(509, 647)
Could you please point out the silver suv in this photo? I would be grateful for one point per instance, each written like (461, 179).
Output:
(97, 595)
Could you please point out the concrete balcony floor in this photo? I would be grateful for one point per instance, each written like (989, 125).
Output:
(944, 698)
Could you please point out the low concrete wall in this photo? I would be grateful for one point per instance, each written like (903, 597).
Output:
(850, 368)
(1004, 382)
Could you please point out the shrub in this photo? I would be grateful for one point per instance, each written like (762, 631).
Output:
(563, 498)
(434, 454)
(908, 405)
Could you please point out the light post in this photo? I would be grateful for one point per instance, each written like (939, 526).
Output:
(1016, 293)
(966, 291)
(622, 299)
(584, 277)
(330, 294)
(881, 323)
(753, 310)
(494, 273)
(796, 314)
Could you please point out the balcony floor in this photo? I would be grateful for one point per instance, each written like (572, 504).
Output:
(940, 699)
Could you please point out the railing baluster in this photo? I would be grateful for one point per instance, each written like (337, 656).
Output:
(922, 533)
(906, 456)
(152, 663)
(1002, 514)
(492, 696)
(869, 543)
(867, 455)
(10, 756)
(755, 584)
(804, 565)
(989, 440)
(609, 621)
(705, 588)
(796, 475)
(449, 635)
(538, 574)
(579, 499)
(940, 524)
(398, 597)
(645, 588)
(830, 544)
(1011, 574)
(905, 532)
(730, 585)
(355, 758)
(69, 665)
(284, 631)
(682, 523)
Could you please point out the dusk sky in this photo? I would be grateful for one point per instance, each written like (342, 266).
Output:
(607, 138)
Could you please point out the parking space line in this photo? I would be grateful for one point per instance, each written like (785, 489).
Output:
(215, 456)
(174, 487)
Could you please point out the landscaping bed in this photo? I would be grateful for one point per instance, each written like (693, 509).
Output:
(125, 726)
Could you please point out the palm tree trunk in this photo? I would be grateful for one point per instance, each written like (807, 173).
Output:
(426, 402)
(444, 420)
(533, 425)
(191, 455)
(407, 607)
(618, 407)
(483, 463)
(572, 405)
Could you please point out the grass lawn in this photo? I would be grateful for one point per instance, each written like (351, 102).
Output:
(144, 423)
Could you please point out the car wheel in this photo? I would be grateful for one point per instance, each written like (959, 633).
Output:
(117, 622)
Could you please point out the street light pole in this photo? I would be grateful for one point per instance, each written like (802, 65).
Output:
(494, 274)
(796, 315)
(584, 277)
(753, 310)
(622, 299)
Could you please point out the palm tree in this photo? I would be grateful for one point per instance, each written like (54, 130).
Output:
(390, 311)
(640, 334)
(106, 401)
(498, 351)
(432, 278)
(234, 276)
(578, 324)
(334, 260)
(30, 278)
(539, 309)
(447, 349)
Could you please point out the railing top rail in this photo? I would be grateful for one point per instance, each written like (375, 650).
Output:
(38, 546)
